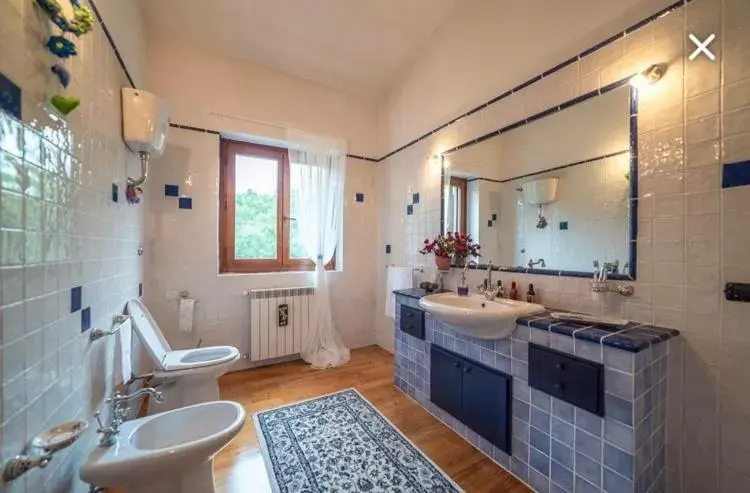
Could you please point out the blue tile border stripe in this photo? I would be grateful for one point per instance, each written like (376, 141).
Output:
(735, 174)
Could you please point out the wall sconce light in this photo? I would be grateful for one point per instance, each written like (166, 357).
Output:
(649, 76)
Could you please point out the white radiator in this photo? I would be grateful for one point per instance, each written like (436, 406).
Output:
(269, 338)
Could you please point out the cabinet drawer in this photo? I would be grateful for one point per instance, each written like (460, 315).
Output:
(571, 379)
(412, 321)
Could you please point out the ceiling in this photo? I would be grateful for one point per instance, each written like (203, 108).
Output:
(357, 46)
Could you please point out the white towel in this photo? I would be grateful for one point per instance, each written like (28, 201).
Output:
(187, 309)
(398, 278)
(123, 367)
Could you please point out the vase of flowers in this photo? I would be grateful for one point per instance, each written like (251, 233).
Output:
(450, 247)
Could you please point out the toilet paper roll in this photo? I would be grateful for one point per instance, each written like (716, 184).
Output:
(187, 309)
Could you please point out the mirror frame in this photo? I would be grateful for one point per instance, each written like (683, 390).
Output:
(631, 272)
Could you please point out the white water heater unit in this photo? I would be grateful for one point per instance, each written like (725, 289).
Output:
(145, 122)
(540, 192)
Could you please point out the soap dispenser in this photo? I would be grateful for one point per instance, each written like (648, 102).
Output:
(513, 291)
(531, 294)
(500, 289)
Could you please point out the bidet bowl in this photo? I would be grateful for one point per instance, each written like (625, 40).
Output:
(477, 317)
(164, 444)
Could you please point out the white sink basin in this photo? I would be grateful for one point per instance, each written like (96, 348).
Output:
(476, 317)
(171, 451)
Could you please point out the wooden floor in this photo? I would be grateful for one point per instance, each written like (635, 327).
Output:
(239, 468)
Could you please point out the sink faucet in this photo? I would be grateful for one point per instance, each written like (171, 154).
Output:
(488, 289)
(540, 262)
(118, 408)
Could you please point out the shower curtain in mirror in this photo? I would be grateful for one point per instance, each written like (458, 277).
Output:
(318, 167)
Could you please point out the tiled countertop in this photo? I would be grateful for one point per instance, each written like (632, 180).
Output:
(633, 338)
(417, 293)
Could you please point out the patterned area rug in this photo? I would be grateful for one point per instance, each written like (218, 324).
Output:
(340, 442)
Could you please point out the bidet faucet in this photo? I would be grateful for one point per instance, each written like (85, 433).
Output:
(118, 407)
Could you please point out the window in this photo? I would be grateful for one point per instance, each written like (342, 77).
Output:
(257, 229)
(458, 204)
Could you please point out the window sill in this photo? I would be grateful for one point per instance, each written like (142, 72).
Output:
(277, 273)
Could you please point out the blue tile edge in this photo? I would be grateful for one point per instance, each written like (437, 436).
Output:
(171, 190)
(186, 203)
(735, 174)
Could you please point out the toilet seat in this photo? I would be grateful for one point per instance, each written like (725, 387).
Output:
(166, 359)
(198, 358)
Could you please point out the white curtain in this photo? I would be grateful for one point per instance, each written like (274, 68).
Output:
(318, 168)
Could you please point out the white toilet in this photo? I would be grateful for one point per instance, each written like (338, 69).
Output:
(185, 377)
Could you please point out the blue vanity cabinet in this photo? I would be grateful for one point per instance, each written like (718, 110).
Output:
(475, 395)
(486, 404)
(412, 321)
(446, 381)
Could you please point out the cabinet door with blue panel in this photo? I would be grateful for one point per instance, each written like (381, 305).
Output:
(477, 396)
(446, 375)
(486, 404)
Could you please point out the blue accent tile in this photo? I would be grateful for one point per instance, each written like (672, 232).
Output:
(140, 289)
(540, 419)
(618, 409)
(562, 431)
(539, 461)
(619, 461)
(563, 410)
(583, 486)
(541, 323)
(619, 383)
(539, 439)
(614, 483)
(359, 197)
(563, 225)
(620, 435)
(520, 449)
(566, 328)
(588, 444)
(562, 454)
(538, 481)
(520, 410)
(75, 299)
(593, 334)
(86, 319)
(541, 400)
(10, 97)
(626, 343)
(409, 210)
(115, 193)
(388, 249)
(494, 217)
(519, 350)
(415, 198)
(186, 203)
(588, 469)
(589, 422)
(561, 475)
(736, 174)
(171, 190)
(489, 223)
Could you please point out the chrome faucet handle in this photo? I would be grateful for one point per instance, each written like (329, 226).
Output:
(97, 416)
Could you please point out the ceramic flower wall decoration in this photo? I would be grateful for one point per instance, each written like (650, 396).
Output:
(133, 194)
(82, 22)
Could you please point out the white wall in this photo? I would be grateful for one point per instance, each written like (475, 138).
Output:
(60, 229)
(182, 251)
(489, 47)
(693, 234)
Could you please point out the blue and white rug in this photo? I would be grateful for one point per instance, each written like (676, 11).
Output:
(340, 442)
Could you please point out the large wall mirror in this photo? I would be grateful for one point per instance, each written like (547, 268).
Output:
(552, 194)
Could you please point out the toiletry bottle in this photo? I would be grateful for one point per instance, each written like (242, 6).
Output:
(513, 291)
(463, 288)
(531, 294)
(500, 289)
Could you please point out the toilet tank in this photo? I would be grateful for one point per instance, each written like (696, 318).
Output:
(540, 192)
(145, 122)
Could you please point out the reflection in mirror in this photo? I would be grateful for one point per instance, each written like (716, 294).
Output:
(553, 195)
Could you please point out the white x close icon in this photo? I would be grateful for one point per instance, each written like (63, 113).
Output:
(702, 47)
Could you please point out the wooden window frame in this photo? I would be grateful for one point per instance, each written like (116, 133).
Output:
(462, 184)
(229, 149)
